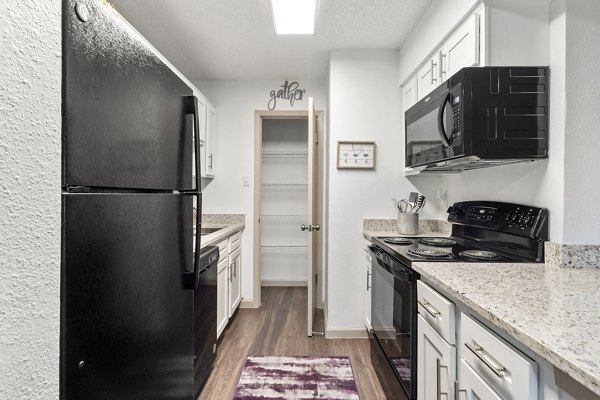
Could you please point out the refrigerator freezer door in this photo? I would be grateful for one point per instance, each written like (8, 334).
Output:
(126, 320)
(123, 108)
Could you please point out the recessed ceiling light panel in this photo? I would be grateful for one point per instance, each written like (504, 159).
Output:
(294, 17)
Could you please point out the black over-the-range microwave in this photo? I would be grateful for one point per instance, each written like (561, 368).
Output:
(480, 117)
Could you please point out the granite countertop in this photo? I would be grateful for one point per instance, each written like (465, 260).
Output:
(229, 224)
(388, 227)
(553, 311)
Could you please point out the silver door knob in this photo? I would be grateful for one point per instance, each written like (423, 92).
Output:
(310, 227)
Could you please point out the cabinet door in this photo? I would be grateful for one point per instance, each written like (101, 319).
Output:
(222, 295)
(211, 137)
(368, 291)
(472, 386)
(436, 364)
(428, 77)
(409, 93)
(461, 49)
(235, 288)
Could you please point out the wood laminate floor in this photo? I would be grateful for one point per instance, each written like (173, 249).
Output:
(279, 328)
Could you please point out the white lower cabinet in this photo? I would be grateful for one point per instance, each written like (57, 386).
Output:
(473, 387)
(222, 294)
(235, 287)
(229, 277)
(436, 364)
(509, 373)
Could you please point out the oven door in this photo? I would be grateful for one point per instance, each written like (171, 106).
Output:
(433, 127)
(393, 317)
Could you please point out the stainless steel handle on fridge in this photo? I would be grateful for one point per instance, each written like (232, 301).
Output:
(192, 108)
(478, 351)
(441, 127)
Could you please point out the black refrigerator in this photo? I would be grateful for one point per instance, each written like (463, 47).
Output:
(130, 183)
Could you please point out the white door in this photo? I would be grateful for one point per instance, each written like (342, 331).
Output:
(472, 386)
(313, 225)
(436, 364)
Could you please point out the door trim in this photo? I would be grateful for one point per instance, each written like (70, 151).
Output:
(256, 240)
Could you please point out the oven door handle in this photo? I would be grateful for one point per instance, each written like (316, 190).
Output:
(441, 128)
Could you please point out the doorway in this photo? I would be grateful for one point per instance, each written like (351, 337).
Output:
(288, 203)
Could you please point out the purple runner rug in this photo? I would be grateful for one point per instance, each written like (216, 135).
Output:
(284, 377)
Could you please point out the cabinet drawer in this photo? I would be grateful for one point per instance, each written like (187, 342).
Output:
(234, 241)
(437, 310)
(509, 372)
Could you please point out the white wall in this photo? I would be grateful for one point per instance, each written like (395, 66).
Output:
(364, 104)
(236, 102)
(582, 127)
(30, 178)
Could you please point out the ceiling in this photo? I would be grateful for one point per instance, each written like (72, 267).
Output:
(234, 39)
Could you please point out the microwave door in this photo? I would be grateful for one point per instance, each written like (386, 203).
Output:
(423, 142)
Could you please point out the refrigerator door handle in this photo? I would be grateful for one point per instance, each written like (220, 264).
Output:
(192, 108)
(190, 275)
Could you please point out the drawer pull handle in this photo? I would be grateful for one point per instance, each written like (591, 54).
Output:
(478, 351)
(432, 311)
(457, 391)
(438, 367)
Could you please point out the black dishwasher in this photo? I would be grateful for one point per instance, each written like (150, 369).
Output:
(393, 317)
(205, 317)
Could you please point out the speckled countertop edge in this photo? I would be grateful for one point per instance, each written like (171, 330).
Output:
(387, 227)
(229, 224)
(564, 346)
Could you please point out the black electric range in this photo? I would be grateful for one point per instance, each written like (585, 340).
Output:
(482, 231)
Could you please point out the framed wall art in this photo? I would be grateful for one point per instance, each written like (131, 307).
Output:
(355, 155)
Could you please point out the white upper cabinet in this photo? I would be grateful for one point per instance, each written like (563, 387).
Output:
(428, 77)
(409, 94)
(461, 49)
(511, 33)
(211, 137)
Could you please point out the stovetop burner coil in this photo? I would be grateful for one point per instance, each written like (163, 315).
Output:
(397, 240)
(479, 254)
(430, 253)
(439, 242)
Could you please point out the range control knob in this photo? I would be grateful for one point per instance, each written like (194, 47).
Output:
(456, 211)
(527, 219)
(513, 216)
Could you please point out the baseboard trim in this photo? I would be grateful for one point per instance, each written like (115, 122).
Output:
(277, 282)
(248, 303)
(347, 333)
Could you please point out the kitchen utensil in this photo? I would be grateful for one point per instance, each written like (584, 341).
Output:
(412, 201)
(408, 223)
(403, 205)
(420, 203)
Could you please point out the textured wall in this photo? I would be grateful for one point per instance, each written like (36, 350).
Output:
(30, 68)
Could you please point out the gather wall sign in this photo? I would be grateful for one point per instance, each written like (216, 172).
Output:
(289, 91)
